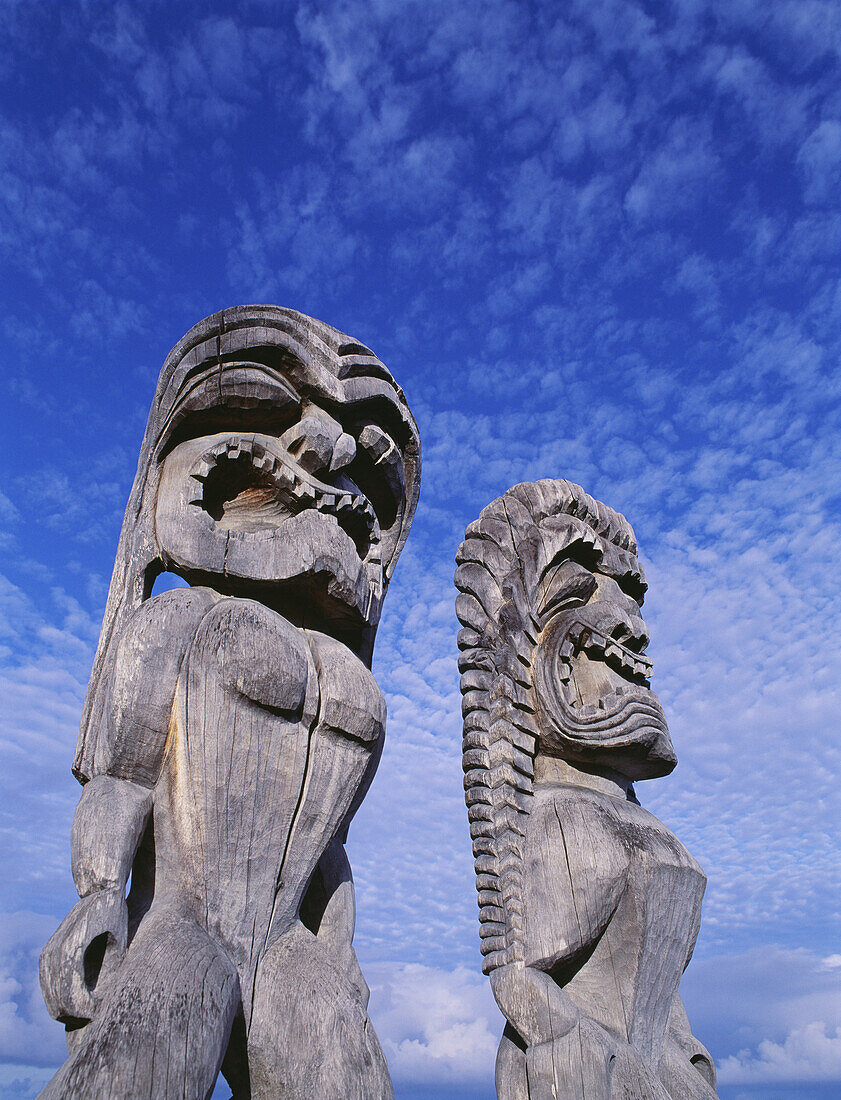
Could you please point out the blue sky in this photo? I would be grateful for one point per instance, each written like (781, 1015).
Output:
(597, 240)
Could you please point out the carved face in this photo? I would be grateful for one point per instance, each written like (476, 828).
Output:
(591, 671)
(269, 480)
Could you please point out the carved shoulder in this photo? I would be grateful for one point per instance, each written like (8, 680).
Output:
(259, 655)
(576, 870)
(351, 702)
(143, 677)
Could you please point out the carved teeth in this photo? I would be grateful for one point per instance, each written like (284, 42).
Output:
(295, 486)
(595, 643)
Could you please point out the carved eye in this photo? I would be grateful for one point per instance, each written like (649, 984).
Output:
(566, 585)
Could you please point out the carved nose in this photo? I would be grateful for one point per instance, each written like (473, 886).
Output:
(318, 443)
(631, 633)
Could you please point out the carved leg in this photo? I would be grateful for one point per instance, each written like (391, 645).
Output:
(686, 1068)
(511, 1080)
(632, 1079)
(555, 1070)
(589, 1064)
(309, 1035)
(162, 1028)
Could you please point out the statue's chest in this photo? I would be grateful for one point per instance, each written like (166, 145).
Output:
(610, 884)
(662, 884)
(608, 852)
(654, 860)
(243, 654)
(248, 668)
(272, 731)
(651, 846)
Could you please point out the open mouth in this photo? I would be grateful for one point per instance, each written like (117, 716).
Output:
(247, 487)
(598, 675)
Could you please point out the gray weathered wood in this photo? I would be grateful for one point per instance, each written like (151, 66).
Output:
(232, 728)
(589, 906)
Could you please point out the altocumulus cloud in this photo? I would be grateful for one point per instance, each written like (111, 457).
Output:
(597, 240)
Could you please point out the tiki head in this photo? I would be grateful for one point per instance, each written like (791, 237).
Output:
(288, 464)
(591, 686)
(553, 664)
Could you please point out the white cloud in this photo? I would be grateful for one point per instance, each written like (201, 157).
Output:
(809, 1053)
(675, 175)
(771, 1013)
(437, 1026)
(27, 1034)
(820, 158)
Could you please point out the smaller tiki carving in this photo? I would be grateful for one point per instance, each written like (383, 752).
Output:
(589, 906)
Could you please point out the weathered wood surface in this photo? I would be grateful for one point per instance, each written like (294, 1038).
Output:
(589, 906)
(232, 728)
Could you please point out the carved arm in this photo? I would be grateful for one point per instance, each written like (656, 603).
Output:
(533, 1003)
(575, 875)
(91, 940)
(107, 827)
(116, 802)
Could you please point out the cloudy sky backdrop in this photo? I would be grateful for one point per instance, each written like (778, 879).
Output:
(597, 240)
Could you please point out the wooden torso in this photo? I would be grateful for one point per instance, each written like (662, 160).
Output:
(274, 732)
(612, 909)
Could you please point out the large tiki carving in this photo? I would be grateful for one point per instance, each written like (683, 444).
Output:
(589, 906)
(232, 728)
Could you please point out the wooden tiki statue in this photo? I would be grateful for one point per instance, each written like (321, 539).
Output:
(589, 906)
(232, 728)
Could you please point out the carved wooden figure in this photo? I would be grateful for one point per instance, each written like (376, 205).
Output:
(232, 728)
(589, 906)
